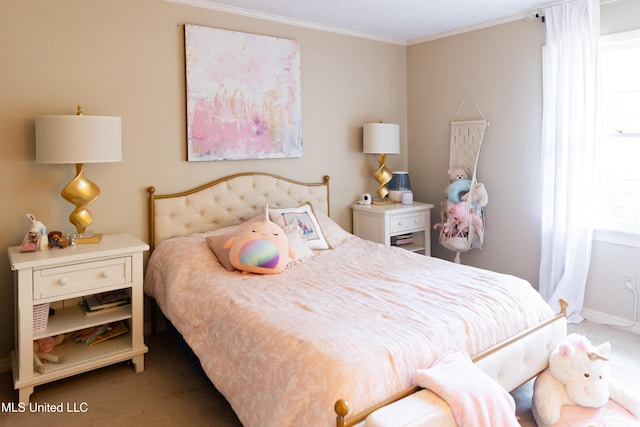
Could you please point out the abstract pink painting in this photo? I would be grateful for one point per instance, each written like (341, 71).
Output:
(243, 95)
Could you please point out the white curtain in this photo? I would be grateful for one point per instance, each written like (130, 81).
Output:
(569, 135)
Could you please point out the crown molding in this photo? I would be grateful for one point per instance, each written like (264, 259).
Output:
(468, 29)
(207, 4)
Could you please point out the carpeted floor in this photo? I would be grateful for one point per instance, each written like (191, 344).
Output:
(173, 392)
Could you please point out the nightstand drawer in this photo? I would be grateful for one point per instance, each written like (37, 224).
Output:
(406, 222)
(83, 277)
(380, 223)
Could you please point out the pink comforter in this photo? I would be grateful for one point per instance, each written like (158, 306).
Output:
(353, 322)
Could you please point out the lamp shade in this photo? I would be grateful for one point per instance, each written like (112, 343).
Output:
(78, 139)
(400, 181)
(381, 138)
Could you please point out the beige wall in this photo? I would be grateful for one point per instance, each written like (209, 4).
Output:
(501, 67)
(126, 58)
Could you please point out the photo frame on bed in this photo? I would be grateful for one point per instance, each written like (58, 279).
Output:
(305, 219)
(243, 95)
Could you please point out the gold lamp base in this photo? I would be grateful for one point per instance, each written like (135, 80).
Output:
(383, 202)
(82, 239)
(80, 192)
(383, 175)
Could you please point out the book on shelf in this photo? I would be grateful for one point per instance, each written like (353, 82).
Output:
(403, 239)
(105, 300)
(100, 333)
(400, 242)
(89, 312)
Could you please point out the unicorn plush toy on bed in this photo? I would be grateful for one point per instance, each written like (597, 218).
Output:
(260, 247)
(577, 389)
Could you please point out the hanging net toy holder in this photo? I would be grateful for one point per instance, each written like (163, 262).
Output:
(462, 212)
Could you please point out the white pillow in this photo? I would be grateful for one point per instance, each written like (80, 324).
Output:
(334, 234)
(303, 217)
(297, 244)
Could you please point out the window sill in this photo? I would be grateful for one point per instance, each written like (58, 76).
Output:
(625, 238)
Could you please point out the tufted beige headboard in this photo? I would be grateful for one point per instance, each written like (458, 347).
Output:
(228, 201)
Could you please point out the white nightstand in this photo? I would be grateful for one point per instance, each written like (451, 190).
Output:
(384, 223)
(62, 277)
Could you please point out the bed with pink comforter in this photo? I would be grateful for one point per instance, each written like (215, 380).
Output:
(353, 322)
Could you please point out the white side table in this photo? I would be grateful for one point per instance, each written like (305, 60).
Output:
(61, 277)
(384, 223)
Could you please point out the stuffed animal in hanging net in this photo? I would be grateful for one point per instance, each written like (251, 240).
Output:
(462, 213)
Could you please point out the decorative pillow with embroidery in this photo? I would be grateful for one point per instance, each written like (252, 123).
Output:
(303, 217)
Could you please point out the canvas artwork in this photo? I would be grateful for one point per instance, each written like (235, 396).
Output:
(243, 95)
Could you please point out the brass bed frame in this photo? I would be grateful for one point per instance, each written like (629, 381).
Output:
(236, 198)
(341, 407)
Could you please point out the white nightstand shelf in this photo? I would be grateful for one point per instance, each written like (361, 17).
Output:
(61, 277)
(383, 223)
(67, 319)
(76, 358)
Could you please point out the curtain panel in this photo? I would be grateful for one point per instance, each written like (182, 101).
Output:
(569, 128)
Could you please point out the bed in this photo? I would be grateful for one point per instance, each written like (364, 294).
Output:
(342, 330)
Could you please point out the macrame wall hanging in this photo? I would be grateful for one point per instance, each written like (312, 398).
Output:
(462, 212)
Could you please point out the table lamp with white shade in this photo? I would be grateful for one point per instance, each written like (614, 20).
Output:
(382, 139)
(79, 139)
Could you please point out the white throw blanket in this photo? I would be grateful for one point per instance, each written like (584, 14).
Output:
(476, 400)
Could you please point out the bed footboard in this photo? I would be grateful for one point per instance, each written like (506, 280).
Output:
(341, 406)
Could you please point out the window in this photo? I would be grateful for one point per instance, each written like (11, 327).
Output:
(618, 156)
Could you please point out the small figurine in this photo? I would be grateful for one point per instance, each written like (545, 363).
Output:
(56, 240)
(42, 351)
(34, 235)
(36, 226)
(30, 242)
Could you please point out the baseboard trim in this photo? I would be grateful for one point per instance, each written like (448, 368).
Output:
(609, 320)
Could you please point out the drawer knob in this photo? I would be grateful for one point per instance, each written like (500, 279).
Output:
(106, 274)
(64, 281)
